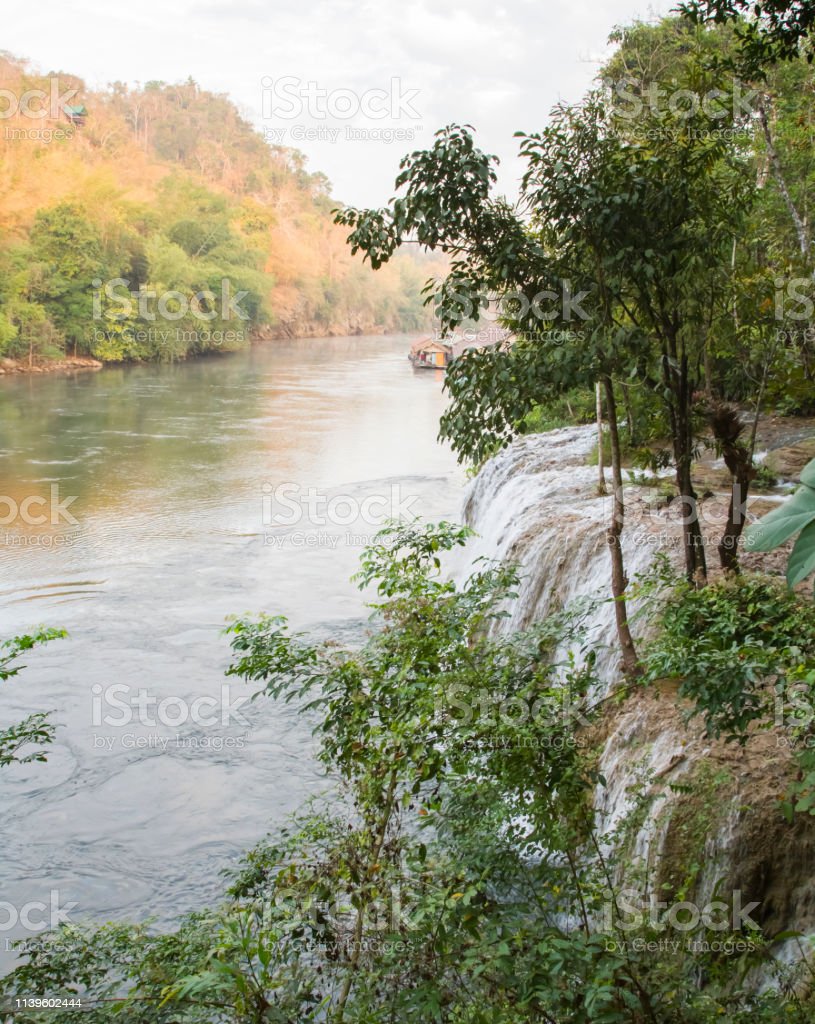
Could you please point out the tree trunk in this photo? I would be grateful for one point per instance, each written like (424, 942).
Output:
(742, 475)
(629, 415)
(727, 428)
(619, 582)
(677, 383)
(601, 474)
(778, 172)
(692, 540)
(707, 368)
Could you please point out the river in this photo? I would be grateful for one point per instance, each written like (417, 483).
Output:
(185, 494)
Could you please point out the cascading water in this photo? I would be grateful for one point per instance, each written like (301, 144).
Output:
(536, 504)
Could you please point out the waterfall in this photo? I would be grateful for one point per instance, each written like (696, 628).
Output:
(536, 504)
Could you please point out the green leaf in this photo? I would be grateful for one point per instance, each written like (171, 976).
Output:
(802, 558)
(808, 474)
(780, 524)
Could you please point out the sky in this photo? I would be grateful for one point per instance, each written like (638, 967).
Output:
(353, 84)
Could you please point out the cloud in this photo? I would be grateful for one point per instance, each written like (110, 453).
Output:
(500, 67)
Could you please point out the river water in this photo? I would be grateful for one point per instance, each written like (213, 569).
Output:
(189, 493)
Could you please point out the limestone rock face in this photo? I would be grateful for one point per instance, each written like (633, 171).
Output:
(788, 462)
(729, 818)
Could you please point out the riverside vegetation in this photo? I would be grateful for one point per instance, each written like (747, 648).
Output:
(460, 871)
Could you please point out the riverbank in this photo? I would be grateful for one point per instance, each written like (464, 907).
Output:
(258, 339)
(70, 363)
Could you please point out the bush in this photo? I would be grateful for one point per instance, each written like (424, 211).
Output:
(458, 875)
(732, 645)
(568, 410)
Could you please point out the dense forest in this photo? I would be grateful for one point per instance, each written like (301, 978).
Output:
(167, 191)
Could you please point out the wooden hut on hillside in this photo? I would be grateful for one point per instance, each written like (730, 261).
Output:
(75, 115)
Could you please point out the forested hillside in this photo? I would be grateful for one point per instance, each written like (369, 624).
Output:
(168, 189)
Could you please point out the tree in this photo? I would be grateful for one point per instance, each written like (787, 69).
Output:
(69, 251)
(542, 275)
(633, 212)
(768, 32)
(27, 330)
(689, 119)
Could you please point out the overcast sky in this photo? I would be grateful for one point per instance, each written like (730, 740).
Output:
(380, 67)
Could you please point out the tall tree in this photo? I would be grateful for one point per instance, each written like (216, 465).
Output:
(634, 208)
(69, 250)
(543, 273)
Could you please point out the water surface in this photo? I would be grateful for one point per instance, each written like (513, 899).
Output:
(175, 472)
